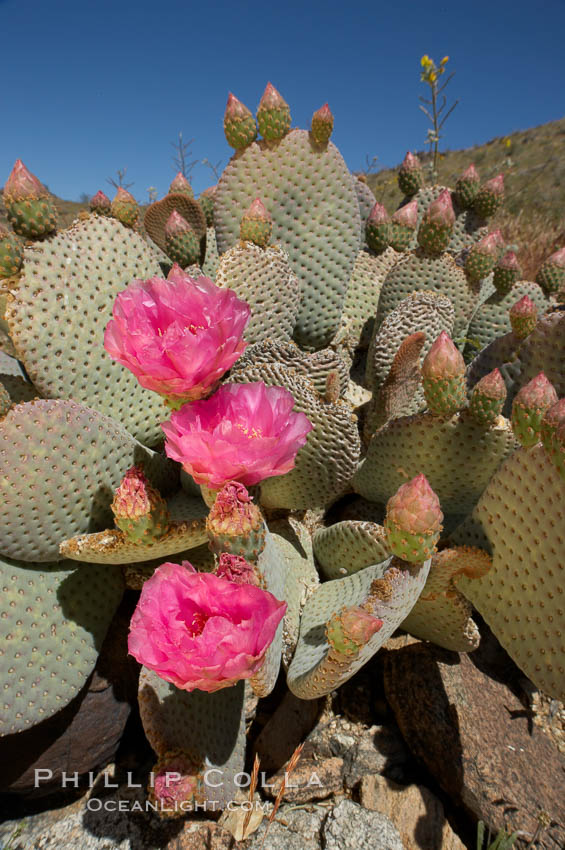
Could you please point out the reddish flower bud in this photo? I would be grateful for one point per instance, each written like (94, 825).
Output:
(256, 224)
(523, 317)
(22, 185)
(551, 276)
(413, 520)
(488, 397)
(181, 185)
(529, 407)
(239, 124)
(100, 203)
(322, 125)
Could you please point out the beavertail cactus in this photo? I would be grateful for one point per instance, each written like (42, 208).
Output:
(206, 201)
(182, 243)
(483, 255)
(553, 435)
(488, 397)
(403, 225)
(181, 185)
(551, 276)
(139, 509)
(176, 784)
(124, 207)
(529, 408)
(443, 377)
(410, 177)
(239, 124)
(235, 524)
(506, 272)
(322, 125)
(523, 317)
(467, 186)
(413, 521)
(378, 229)
(29, 206)
(11, 253)
(490, 197)
(350, 629)
(273, 115)
(256, 224)
(434, 234)
(100, 203)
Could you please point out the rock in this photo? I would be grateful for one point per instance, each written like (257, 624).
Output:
(291, 830)
(379, 749)
(458, 715)
(85, 735)
(310, 780)
(351, 827)
(286, 729)
(197, 835)
(417, 814)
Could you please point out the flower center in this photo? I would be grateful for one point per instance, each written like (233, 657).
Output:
(194, 328)
(196, 624)
(249, 432)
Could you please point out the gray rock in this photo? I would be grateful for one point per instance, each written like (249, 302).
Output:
(351, 827)
(292, 829)
(379, 749)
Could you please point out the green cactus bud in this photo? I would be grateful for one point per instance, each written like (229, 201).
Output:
(350, 629)
(256, 224)
(434, 233)
(124, 207)
(410, 177)
(139, 510)
(467, 187)
(239, 125)
(100, 203)
(181, 242)
(529, 408)
(488, 397)
(483, 255)
(413, 521)
(403, 224)
(523, 317)
(551, 276)
(443, 377)
(181, 186)
(490, 197)
(378, 229)
(506, 272)
(322, 125)
(553, 435)
(11, 253)
(273, 115)
(206, 201)
(235, 524)
(29, 206)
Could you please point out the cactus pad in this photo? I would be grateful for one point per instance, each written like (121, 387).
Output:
(61, 308)
(264, 279)
(309, 193)
(363, 292)
(157, 215)
(468, 228)
(60, 463)
(492, 318)
(53, 622)
(349, 546)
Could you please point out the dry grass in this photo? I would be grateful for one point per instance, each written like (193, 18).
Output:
(536, 236)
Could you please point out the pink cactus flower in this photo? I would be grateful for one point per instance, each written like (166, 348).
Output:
(198, 630)
(244, 432)
(178, 336)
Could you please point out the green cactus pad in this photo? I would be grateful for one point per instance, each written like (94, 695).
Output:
(271, 567)
(300, 577)
(387, 590)
(325, 465)
(366, 201)
(136, 573)
(442, 614)
(457, 455)
(11, 253)
(417, 272)
(187, 530)
(209, 727)
(521, 515)
(52, 625)
(309, 193)
(492, 318)
(543, 350)
(33, 218)
(212, 261)
(61, 308)
(60, 463)
(360, 306)
(349, 546)
(468, 227)
(264, 279)
(430, 312)
(157, 215)
(316, 367)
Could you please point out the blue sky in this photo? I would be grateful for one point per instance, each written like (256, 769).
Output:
(91, 86)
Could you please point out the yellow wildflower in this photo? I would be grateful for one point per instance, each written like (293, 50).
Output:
(432, 77)
(425, 61)
(444, 60)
